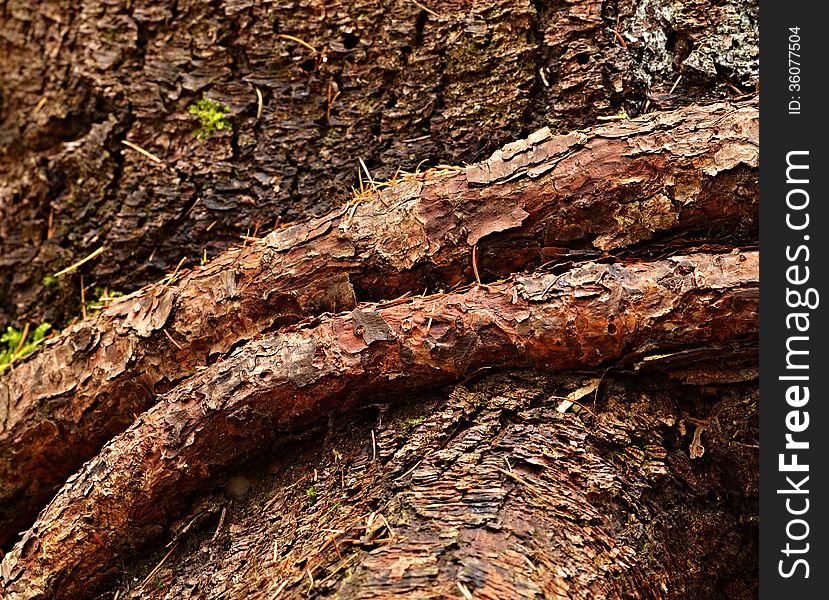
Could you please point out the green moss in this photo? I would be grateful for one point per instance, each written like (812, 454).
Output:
(13, 346)
(50, 282)
(407, 426)
(311, 493)
(100, 300)
(211, 115)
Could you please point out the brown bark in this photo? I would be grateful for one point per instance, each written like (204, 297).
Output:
(592, 315)
(543, 199)
(650, 491)
(491, 486)
(400, 84)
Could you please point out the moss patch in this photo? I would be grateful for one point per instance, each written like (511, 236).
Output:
(211, 115)
(15, 344)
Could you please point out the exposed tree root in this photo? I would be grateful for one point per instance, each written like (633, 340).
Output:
(596, 314)
(545, 199)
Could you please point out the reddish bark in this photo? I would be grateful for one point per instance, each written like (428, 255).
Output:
(497, 492)
(545, 198)
(593, 315)
(390, 82)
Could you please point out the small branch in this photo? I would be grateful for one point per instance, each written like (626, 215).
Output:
(141, 150)
(298, 41)
(80, 263)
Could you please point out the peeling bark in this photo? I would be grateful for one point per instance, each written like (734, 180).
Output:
(496, 487)
(597, 314)
(438, 480)
(399, 84)
(483, 486)
(547, 198)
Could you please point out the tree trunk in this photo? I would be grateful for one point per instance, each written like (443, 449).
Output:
(334, 408)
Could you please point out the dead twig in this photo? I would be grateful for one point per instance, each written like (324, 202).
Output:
(292, 38)
(172, 341)
(475, 264)
(259, 103)
(219, 526)
(426, 9)
(149, 577)
(676, 83)
(620, 38)
(83, 299)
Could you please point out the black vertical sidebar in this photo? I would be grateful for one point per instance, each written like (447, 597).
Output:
(794, 298)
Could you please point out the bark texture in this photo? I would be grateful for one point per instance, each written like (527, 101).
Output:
(290, 434)
(589, 316)
(394, 83)
(546, 199)
(483, 486)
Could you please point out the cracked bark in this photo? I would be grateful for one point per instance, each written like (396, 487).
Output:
(552, 199)
(649, 491)
(412, 86)
(589, 316)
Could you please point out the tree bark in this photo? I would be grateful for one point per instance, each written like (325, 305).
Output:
(491, 487)
(589, 316)
(392, 83)
(550, 199)
(421, 464)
